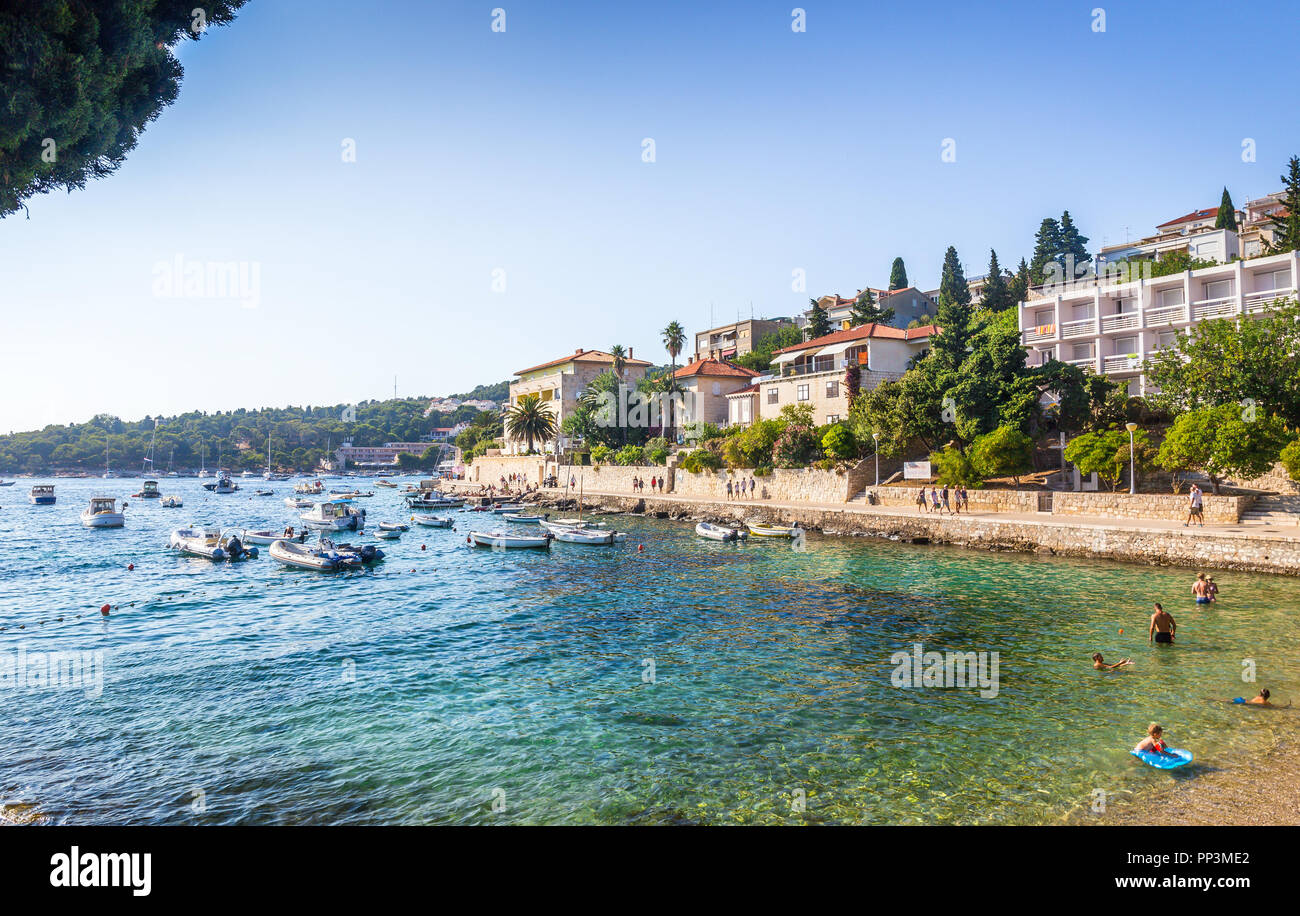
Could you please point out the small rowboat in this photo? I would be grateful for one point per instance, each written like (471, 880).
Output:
(493, 539)
(389, 534)
(212, 543)
(774, 531)
(385, 483)
(172, 502)
(524, 519)
(393, 526)
(503, 508)
(719, 532)
(263, 492)
(431, 521)
(294, 502)
(577, 523)
(570, 534)
(266, 536)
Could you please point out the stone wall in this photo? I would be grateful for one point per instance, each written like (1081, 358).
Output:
(487, 469)
(980, 500)
(810, 485)
(613, 478)
(1219, 510)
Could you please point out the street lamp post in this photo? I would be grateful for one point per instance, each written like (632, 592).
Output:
(876, 438)
(1132, 478)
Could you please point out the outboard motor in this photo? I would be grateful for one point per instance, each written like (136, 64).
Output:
(234, 547)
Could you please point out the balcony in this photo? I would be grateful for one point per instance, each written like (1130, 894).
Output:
(1263, 300)
(1125, 322)
(1088, 365)
(1167, 314)
(1040, 334)
(1085, 327)
(1122, 362)
(1223, 307)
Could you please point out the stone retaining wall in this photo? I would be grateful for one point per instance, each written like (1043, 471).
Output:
(981, 500)
(614, 478)
(808, 485)
(490, 469)
(1219, 510)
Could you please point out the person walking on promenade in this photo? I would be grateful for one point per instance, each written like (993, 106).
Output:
(728, 489)
(946, 507)
(1162, 627)
(934, 500)
(751, 487)
(920, 500)
(965, 500)
(1195, 506)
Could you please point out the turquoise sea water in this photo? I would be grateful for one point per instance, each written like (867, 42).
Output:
(451, 685)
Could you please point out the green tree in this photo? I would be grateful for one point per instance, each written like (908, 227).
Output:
(866, 311)
(1286, 237)
(1251, 362)
(953, 317)
(838, 443)
(897, 275)
(1047, 249)
(620, 359)
(90, 76)
(1226, 218)
(953, 468)
(1018, 285)
(819, 325)
(1074, 248)
(1223, 441)
(996, 297)
(531, 420)
(1106, 453)
(1004, 452)
(1290, 458)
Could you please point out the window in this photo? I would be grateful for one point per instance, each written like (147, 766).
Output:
(773, 395)
(1081, 351)
(717, 388)
(1168, 297)
(801, 394)
(1043, 317)
(833, 389)
(1166, 339)
(1125, 345)
(1271, 280)
(1218, 289)
(832, 418)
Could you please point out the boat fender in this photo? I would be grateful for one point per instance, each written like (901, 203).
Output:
(104, 610)
(421, 546)
(468, 539)
(130, 567)
(640, 548)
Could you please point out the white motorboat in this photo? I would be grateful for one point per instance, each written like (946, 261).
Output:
(431, 521)
(525, 519)
(570, 534)
(148, 490)
(719, 532)
(172, 502)
(246, 474)
(431, 500)
(212, 543)
(315, 488)
(10, 483)
(385, 483)
(42, 495)
(223, 484)
(350, 494)
(322, 559)
(335, 515)
(577, 523)
(774, 531)
(393, 526)
(295, 502)
(507, 541)
(102, 513)
(266, 536)
(389, 534)
(503, 508)
(364, 555)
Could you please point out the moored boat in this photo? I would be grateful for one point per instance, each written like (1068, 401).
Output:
(102, 513)
(525, 519)
(212, 543)
(266, 536)
(570, 534)
(503, 508)
(172, 502)
(385, 483)
(148, 490)
(719, 532)
(335, 515)
(393, 526)
(7, 483)
(321, 559)
(296, 502)
(389, 534)
(364, 555)
(507, 541)
(774, 531)
(432, 521)
(42, 495)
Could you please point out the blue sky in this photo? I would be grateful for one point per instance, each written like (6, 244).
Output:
(521, 152)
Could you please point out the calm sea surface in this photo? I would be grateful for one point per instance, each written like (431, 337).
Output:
(450, 685)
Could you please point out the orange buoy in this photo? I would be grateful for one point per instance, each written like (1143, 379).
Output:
(640, 547)
(104, 610)
(130, 567)
(1121, 631)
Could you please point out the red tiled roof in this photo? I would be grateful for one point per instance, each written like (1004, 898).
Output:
(864, 332)
(709, 366)
(748, 389)
(584, 356)
(1191, 217)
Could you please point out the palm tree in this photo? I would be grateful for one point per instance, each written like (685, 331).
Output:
(620, 358)
(530, 420)
(674, 339)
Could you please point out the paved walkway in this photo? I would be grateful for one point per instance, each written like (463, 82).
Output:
(1272, 531)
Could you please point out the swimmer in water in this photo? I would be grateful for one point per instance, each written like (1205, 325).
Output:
(1201, 589)
(1162, 627)
(1154, 741)
(1100, 664)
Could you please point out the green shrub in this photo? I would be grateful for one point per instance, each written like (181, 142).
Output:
(629, 455)
(600, 454)
(1290, 459)
(658, 455)
(953, 469)
(1004, 452)
(796, 447)
(701, 460)
(839, 444)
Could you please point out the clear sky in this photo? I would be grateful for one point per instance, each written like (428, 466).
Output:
(521, 152)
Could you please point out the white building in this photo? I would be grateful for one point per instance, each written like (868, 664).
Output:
(1112, 329)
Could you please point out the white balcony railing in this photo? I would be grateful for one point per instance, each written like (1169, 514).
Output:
(1125, 322)
(1041, 333)
(1089, 364)
(1167, 314)
(1222, 307)
(1262, 300)
(1123, 362)
(1085, 327)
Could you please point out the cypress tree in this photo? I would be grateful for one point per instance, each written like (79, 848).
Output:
(1227, 216)
(953, 315)
(898, 275)
(819, 325)
(1018, 285)
(995, 286)
(1047, 248)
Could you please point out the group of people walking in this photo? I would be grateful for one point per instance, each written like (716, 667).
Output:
(656, 485)
(741, 489)
(945, 500)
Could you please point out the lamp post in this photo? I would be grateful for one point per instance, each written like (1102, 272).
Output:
(876, 438)
(1132, 479)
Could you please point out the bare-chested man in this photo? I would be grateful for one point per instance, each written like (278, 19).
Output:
(1162, 627)
(1201, 589)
